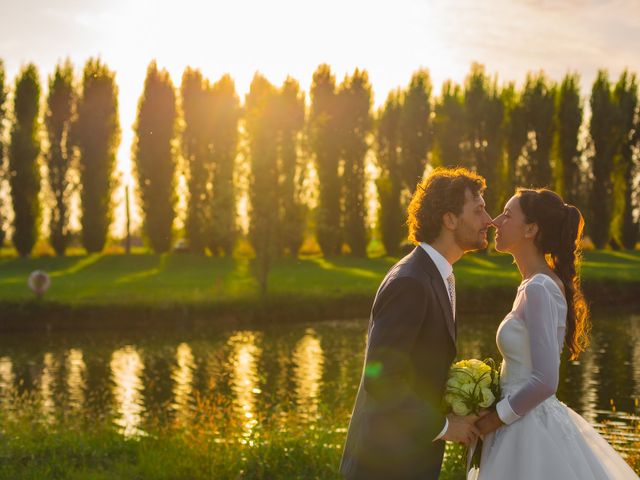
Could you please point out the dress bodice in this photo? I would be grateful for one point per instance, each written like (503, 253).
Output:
(530, 339)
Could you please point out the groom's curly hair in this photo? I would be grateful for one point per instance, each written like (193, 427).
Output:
(440, 192)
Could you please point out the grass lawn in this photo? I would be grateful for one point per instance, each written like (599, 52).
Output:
(169, 282)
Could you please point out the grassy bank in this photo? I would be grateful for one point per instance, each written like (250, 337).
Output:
(90, 290)
(212, 445)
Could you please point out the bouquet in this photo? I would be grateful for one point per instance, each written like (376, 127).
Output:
(473, 385)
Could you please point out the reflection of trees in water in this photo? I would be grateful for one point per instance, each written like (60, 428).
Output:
(614, 354)
(634, 335)
(159, 397)
(477, 337)
(344, 359)
(308, 367)
(243, 362)
(587, 399)
(47, 387)
(126, 375)
(7, 379)
(284, 379)
(474, 348)
(287, 370)
(182, 376)
(578, 386)
(605, 372)
(214, 369)
(76, 379)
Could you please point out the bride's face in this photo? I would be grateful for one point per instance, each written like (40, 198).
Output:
(511, 228)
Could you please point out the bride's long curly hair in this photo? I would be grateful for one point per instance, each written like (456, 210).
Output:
(560, 228)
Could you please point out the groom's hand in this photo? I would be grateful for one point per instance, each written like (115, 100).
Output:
(461, 429)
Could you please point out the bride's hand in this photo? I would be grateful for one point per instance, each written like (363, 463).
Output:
(474, 417)
(489, 422)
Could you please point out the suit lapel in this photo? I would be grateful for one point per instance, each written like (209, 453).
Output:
(439, 289)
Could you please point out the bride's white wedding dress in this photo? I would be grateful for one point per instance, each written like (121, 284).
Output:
(543, 438)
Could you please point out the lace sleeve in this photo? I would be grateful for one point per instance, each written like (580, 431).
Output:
(539, 315)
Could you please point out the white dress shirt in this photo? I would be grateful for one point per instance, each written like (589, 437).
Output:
(445, 269)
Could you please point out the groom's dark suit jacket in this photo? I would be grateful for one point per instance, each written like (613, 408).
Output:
(410, 346)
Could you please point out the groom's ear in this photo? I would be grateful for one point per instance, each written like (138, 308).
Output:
(449, 221)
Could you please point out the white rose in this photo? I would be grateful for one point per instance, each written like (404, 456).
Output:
(485, 381)
(454, 382)
(450, 398)
(487, 398)
(468, 388)
(460, 408)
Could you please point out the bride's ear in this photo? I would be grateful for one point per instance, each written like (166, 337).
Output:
(530, 230)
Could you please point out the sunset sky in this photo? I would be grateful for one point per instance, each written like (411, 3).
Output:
(390, 39)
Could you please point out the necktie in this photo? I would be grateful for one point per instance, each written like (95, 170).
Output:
(451, 286)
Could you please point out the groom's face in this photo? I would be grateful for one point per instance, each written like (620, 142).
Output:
(472, 224)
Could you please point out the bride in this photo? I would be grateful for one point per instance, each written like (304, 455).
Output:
(531, 435)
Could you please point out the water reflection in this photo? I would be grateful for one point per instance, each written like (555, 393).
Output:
(47, 386)
(76, 382)
(308, 366)
(634, 335)
(243, 363)
(588, 397)
(182, 376)
(279, 372)
(7, 379)
(126, 373)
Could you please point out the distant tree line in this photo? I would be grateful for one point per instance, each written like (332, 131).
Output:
(535, 135)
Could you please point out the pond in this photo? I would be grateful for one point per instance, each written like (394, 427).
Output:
(135, 379)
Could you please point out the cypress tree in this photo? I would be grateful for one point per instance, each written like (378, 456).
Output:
(24, 150)
(515, 128)
(225, 111)
(196, 149)
(484, 112)
(291, 116)
(355, 124)
(3, 98)
(58, 120)
(154, 156)
(261, 104)
(325, 145)
(97, 135)
(415, 128)
(538, 101)
(626, 98)
(449, 127)
(604, 117)
(568, 120)
(391, 217)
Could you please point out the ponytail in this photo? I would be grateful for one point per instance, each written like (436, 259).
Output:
(565, 263)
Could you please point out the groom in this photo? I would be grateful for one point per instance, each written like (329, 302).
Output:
(398, 427)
